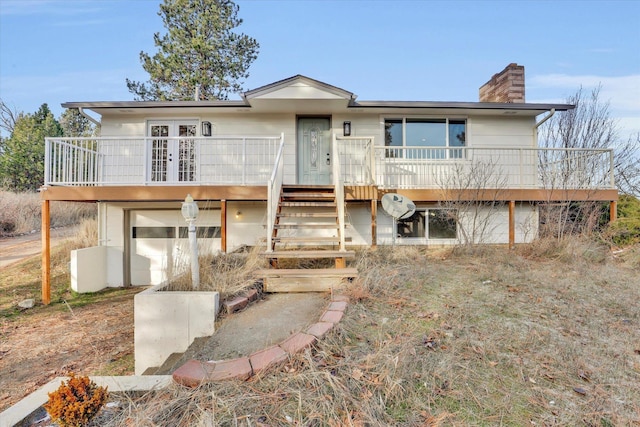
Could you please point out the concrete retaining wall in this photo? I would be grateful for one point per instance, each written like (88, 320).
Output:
(168, 322)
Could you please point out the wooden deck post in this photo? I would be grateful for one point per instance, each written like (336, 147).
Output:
(374, 222)
(223, 226)
(512, 224)
(46, 253)
(613, 211)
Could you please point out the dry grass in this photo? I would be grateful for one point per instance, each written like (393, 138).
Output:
(228, 274)
(545, 335)
(21, 213)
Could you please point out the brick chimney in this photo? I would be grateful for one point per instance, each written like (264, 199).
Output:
(507, 86)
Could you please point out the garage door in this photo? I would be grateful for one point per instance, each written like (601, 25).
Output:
(160, 243)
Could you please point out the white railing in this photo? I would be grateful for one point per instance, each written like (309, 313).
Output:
(356, 159)
(437, 167)
(338, 183)
(223, 160)
(274, 187)
(239, 160)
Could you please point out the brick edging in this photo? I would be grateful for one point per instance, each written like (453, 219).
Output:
(194, 372)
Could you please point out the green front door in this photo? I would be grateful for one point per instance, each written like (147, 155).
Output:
(314, 150)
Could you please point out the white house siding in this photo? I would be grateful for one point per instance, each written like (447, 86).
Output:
(503, 131)
(246, 224)
(513, 169)
(358, 224)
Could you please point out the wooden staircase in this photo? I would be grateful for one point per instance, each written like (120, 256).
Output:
(306, 227)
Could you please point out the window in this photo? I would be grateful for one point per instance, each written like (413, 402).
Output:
(170, 232)
(412, 135)
(442, 224)
(154, 232)
(201, 232)
(429, 223)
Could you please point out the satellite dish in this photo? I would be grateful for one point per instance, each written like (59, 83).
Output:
(399, 207)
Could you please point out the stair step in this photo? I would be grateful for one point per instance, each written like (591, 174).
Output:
(304, 279)
(301, 240)
(308, 204)
(307, 272)
(315, 226)
(307, 215)
(310, 254)
(307, 196)
(306, 187)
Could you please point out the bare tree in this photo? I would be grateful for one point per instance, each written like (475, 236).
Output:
(472, 195)
(627, 166)
(8, 117)
(588, 126)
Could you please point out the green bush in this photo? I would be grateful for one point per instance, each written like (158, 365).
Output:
(625, 231)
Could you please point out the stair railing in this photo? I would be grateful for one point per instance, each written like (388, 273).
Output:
(338, 183)
(274, 189)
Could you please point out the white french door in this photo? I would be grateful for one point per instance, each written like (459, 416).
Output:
(172, 150)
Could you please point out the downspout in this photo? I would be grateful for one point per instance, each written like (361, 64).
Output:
(91, 119)
(537, 125)
(551, 113)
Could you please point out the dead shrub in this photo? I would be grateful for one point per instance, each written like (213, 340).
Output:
(585, 249)
(76, 401)
(228, 274)
(21, 213)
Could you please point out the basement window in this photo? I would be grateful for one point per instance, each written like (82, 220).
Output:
(434, 224)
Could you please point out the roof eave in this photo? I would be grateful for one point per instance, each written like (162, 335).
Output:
(155, 104)
(461, 105)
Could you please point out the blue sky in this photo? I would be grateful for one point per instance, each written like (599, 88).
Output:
(56, 51)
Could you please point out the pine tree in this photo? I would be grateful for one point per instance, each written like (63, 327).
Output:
(75, 124)
(200, 50)
(22, 157)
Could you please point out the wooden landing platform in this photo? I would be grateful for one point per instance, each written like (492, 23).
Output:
(305, 279)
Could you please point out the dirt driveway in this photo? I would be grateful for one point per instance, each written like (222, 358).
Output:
(14, 249)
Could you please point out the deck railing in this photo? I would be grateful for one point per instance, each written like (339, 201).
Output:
(274, 187)
(338, 183)
(528, 168)
(238, 160)
(224, 160)
(357, 165)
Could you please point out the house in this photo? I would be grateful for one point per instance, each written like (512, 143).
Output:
(301, 162)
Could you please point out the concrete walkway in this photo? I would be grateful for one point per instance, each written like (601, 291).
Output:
(260, 337)
(262, 324)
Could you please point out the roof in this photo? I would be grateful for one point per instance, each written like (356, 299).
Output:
(300, 90)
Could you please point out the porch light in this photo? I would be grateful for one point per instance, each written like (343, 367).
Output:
(189, 209)
(190, 213)
(346, 128)
(206, 128)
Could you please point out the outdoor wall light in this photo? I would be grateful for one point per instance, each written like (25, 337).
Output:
(238, 214)
(206, 128)
(346, 128)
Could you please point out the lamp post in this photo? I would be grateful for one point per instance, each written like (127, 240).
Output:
(190, 213)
